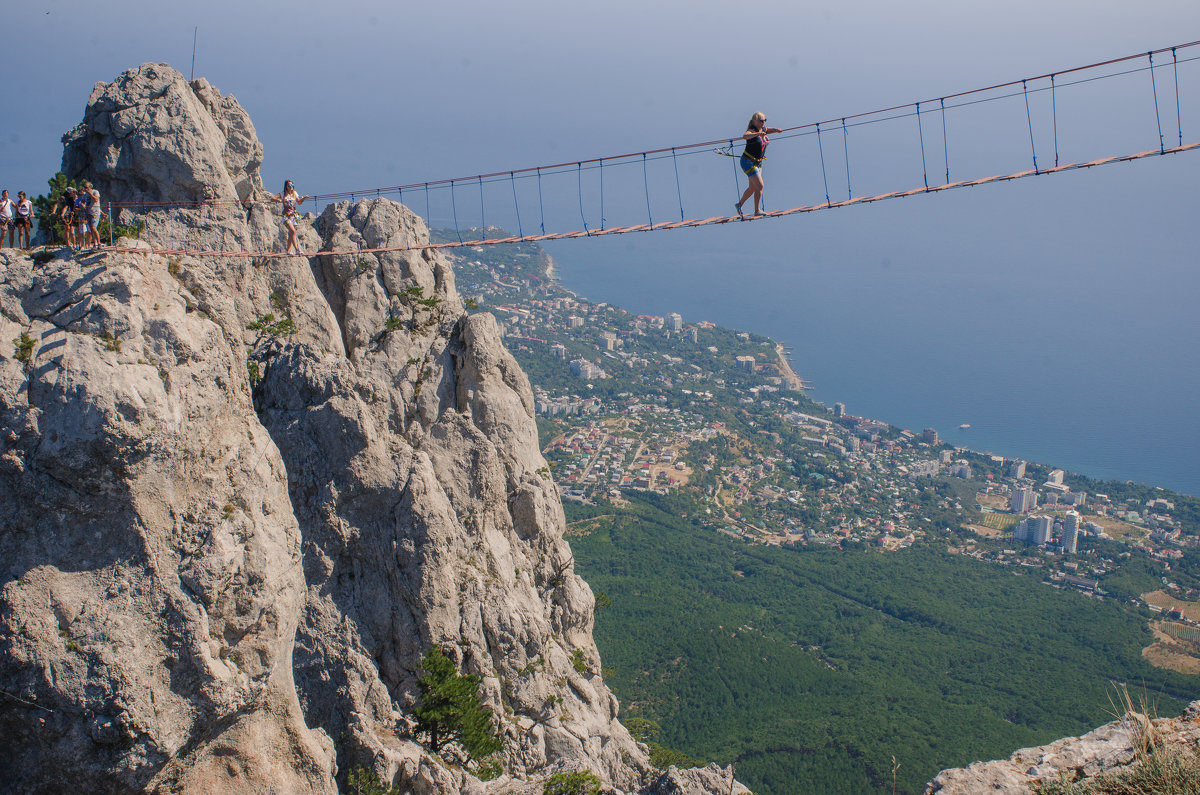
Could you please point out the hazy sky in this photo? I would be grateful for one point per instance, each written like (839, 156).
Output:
(361, 93)
(1086, 280)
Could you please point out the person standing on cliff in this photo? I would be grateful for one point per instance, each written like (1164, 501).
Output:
(66, 211)
(7, 211)
(91, 199)
(24, 217)
(753, 157)
(291, 202)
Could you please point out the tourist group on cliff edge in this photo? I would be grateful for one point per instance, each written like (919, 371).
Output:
(79, 210)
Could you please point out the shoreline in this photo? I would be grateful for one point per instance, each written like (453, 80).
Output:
(785, 369)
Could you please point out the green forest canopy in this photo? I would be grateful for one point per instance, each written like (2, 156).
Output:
(812, 667)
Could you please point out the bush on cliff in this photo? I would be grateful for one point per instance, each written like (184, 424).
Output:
(451, 709)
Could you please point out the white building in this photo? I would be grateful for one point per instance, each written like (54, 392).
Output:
(1040, 526)
(1024, 499)
(1070, 533)
(674, 321)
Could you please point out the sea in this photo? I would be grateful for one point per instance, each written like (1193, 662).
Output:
(1052, 319)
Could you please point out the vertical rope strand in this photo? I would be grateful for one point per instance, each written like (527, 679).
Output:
(945, 139)
(482, 216)
(1054, 107)
(541, 209)
(921, 132)
(846, 151)
(454, 209)
(678, 190)
(1178, 118)
(579, 182)
(821, 151)
(646, 183)
(1029, 121)
(602, 221)
(737, 183)
(1157, 118)
(516, 206)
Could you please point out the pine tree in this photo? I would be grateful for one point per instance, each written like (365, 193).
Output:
(451, 710)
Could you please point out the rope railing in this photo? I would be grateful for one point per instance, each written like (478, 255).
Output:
(673, 152)
(683, 223)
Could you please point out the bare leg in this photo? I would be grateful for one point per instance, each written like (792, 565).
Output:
(756, 187)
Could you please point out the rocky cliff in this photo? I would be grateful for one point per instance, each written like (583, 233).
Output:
(1111, 750)
(242, 496)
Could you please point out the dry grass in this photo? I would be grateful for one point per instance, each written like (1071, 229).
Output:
(1155, 769)
(1172, 654)
(1162, 773)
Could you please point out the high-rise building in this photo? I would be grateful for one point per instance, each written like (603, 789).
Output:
(1024, 499)
(930, 435)
(1039, 529)
(839, 410)
(674, 321)
(1070, 533)
(1056, 477)
(1016, 470)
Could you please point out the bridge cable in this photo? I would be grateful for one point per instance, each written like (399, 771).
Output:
(678, 190)
(646, 182)
(516, 205)
(921, 132)
(541, 209)
(846, 151)
(945, 140)
(579, 182)
(1029, 121)
(482, 216)
(737, 183)
(454, 209)
(602, 222)
(1054, 110)
(1157, 118)
(821, 150)
(1178, 119)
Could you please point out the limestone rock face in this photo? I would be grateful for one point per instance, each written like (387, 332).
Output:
(151, 136)
(1108, 749)
(152, 577)
(226, 539)
(696, 781)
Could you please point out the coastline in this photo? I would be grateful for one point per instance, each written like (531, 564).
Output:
(785, 370)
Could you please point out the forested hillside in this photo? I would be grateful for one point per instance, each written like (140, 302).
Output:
(813, 668)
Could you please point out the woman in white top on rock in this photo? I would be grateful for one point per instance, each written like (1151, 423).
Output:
(291, 201)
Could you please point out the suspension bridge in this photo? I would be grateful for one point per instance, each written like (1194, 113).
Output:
(1160, 82)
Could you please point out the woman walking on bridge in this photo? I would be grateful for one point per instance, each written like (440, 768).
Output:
(753, 157)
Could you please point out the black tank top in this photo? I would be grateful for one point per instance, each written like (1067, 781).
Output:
(756, 146)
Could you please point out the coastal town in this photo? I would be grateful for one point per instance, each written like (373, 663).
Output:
(633, 404)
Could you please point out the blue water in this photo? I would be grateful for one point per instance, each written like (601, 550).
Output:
(1056, 315)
